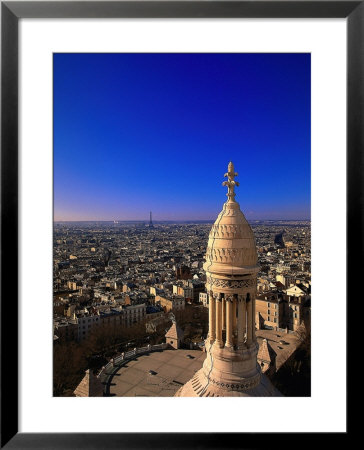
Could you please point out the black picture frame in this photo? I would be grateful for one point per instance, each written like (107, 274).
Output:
(11, 12)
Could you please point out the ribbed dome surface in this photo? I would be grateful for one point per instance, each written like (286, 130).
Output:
(231, 246)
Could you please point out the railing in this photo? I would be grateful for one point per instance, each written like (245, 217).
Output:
(107, 372)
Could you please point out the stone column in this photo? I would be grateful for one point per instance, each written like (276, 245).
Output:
(253, 316)
(241, 321)
(218, 340)
(212, 318)
(229, 323)
(249, 320)
(224, 313)
(244, 316)
(234, 299)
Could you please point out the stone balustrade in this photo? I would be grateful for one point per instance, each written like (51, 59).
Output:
(107, 370)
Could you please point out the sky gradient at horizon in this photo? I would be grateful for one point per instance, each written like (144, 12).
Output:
(135, 133)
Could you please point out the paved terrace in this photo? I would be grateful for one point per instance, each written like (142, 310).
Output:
(172, 368)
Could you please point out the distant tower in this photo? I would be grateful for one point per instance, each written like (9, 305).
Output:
(150, 220)
(230, 368)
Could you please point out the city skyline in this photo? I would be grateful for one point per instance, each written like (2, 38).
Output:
(116, 286)
(135, 133)
(192, 221)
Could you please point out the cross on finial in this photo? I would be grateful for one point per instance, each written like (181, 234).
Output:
(231, 183)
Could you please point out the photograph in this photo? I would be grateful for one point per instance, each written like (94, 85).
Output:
(181, 225)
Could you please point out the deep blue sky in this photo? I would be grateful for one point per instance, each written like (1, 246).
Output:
(141, 132)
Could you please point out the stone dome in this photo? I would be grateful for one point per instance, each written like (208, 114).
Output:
(231, 247)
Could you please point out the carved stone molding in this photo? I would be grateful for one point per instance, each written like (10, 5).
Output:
(230, 231)
(243, 385)
(232, 255)
(231, 284)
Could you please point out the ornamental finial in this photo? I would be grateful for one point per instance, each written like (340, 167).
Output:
(231, 183)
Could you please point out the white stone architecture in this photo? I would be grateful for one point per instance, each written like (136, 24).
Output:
(230, 368)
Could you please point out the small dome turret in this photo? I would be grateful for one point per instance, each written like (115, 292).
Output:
(231, 247)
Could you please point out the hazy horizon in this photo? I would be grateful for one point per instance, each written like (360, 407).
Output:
(179, 220)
